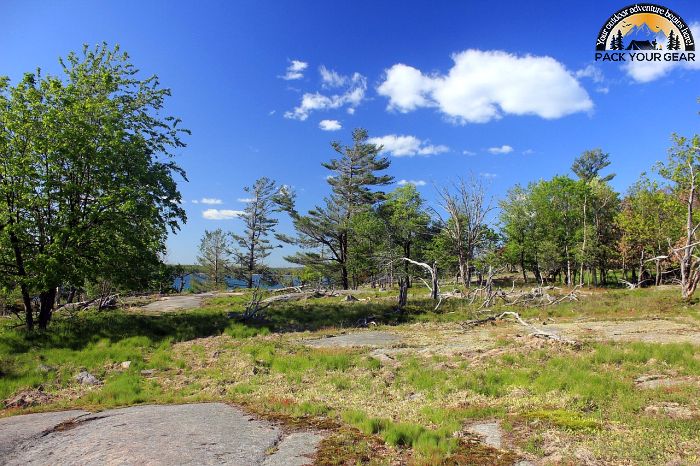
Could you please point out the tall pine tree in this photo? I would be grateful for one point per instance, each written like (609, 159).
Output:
(254, 244)
(325, 231)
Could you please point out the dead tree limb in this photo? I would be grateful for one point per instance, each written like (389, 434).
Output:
(535, 332)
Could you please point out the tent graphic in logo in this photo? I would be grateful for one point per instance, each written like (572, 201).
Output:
(645, 26)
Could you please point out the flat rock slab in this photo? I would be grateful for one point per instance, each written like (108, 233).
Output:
(356, 339)
(192, 434)
(297, 449)
(490, 432)
(14, 430)
(175, 303)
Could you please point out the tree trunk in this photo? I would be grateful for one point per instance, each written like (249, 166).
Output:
(46, 300)
(71, 294)
(406, 265)
(522, 266)
(28, 311)
(436, 288)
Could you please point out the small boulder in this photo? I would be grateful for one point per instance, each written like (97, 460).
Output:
(148, 372)
(44, 368)
(86, 378)
(671, 410)
(125, 364)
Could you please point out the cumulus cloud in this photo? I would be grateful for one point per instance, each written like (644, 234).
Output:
(354, 92)
(488, 176)
(413, 182)
(211, 201)
(468, 152)
(504, 149)
(221, 214)
(528, 152)
(330, 125)
(647, 71)
(406, 146)
(295, 70)
(245, 199)
(485, 85)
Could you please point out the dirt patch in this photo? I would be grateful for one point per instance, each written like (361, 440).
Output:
(27, 398)
(647, 330)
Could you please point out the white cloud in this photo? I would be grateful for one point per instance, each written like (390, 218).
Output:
(221, 214)
(528, 152)
(330, 125)
(413, 182)
(211, 201)
(295, 70)
(647, 71)
(592, 72)
(355, 89)
(468, 152)
(488, 176)
(331, 78)
(195, 201)
(245, 199)
(485, 85)
(402, 146)
(504, 149)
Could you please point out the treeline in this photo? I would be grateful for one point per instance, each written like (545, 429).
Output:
(570, 229)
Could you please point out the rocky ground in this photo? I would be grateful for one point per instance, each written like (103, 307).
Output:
(190, 434)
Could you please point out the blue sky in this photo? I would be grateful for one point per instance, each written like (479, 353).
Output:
(226, 63)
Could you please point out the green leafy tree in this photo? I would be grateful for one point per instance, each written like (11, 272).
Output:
(650, 220)
(681, 171)
(254, 245)
(87, 184)
(324, 233)
(516, 218)
(407, 222)
(368, 246)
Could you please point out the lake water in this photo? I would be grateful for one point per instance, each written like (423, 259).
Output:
(231, 282)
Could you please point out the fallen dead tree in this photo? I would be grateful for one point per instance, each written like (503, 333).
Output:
(298, 296)
(535, 331)
(99, 303)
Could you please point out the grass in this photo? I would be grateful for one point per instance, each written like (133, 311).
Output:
(409, 412)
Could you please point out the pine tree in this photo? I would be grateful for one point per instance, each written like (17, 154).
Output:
(620, 45)
(215, 256)
(613, 43)
(671, 41)
(325, 230)
(254, 245)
